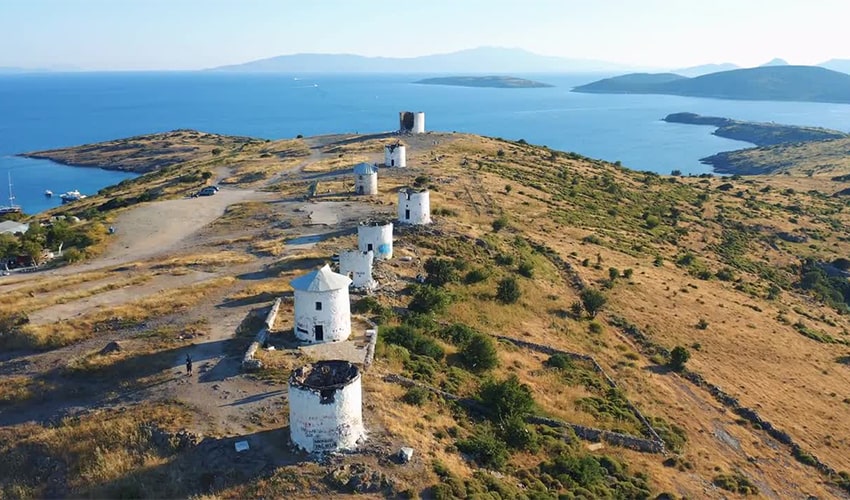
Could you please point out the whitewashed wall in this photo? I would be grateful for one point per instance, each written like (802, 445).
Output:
(335, 315)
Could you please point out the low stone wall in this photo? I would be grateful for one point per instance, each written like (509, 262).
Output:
(370, 347)
(248, 361)
(727, 400)
(583, 432)
(598, 368)
(565, 267)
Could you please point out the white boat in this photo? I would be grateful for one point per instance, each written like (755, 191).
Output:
(48, 193)
(71, 196)
(11, 208)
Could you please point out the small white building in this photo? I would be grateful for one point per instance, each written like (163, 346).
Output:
(377, 237)
(411, 122)
(322, 308)
(365, 179)
(326, 407)
(357, 265)
(414, 206)
(12, 227)
(395, 155)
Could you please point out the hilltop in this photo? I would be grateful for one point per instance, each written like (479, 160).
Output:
(766, 83)
(500, 82)
(590, 309)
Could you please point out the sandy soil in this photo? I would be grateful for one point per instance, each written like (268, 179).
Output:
(158, 228)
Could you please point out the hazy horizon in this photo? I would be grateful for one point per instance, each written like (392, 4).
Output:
(98, 35)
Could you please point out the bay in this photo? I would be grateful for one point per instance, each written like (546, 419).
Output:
(43, 111)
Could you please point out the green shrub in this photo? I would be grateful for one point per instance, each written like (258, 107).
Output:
(678, 357)
(726, 274)
(560, 361)
(476, 275)
(428, 299)
(407, 337)
(505, 259)
(652, 221)
(440, 271)
(627, 273)
(72, 255)
(702, 324)
(365, 305)
(506, 398)
(416, 396)
(478, 353)
(613, 273)
(735, 483)
(486, 448)
(508, 291)
(595, 327)
(593, 301)
(526, 268)
(457, 333)
(500, 223)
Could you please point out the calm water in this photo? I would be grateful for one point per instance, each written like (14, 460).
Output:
(52, 110)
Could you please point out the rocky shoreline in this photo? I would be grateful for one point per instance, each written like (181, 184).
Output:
(758, 133)
(762, 134)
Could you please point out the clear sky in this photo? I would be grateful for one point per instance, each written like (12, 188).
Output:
(193, 34)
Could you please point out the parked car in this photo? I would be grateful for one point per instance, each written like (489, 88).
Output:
(208, 191)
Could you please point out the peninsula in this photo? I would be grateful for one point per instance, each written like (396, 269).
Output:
(500, 82)
(758, 133)
(766, 83)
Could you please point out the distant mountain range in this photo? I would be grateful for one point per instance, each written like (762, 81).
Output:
(842, 65)
(705, 69)
(471, 61)
(765, 83)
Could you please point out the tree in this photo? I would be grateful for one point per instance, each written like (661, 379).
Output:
(593, 301)
(506, 398)
(508, 291)
(613, 273)
(33, 250)
(440, 271)
(678, 357)
(479, 353)
(676, 173)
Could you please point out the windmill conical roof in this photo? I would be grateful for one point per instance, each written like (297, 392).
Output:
(364, 169)
(320, 280)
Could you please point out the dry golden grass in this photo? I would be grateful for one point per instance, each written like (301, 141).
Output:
(89, 451)
(168, 302)
(13, 298)
(204, 261)
(18, 389)
(30, 304)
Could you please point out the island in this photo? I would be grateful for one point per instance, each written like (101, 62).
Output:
(758, 133)
(499, 82)
(766, 83)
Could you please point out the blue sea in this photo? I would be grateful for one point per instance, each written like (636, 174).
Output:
(42, 111)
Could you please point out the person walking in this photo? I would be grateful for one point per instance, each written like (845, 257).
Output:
(188, 365)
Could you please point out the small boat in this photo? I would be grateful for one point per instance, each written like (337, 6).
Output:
(48, 193)
(71, 196)
(11, 208)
